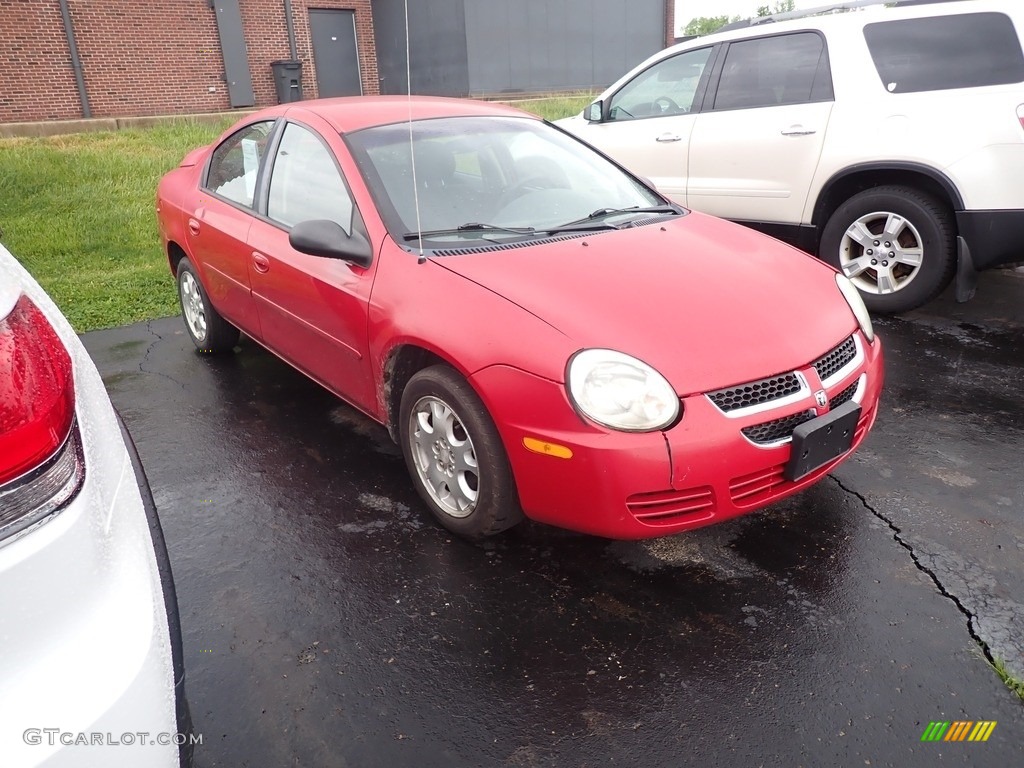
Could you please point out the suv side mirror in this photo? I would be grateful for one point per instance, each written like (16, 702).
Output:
(595, 112)
(321, 237)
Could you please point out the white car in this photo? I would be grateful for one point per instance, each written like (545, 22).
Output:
(887, 140)
(90, 645)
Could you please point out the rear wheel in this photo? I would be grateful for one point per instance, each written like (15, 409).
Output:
(455, 455)
(896, 245)
(210, 332)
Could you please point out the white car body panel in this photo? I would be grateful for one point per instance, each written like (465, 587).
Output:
(737, 170)
(84, 639)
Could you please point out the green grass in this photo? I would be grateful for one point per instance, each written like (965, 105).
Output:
(554, 107)
(78, 212)
(1014, 684)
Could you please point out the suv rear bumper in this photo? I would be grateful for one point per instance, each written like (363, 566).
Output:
(994, 237)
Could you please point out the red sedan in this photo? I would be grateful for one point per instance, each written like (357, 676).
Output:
(541, 331)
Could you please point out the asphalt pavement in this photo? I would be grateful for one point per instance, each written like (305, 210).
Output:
(328, 622)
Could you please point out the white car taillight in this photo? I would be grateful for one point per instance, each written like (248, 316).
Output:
(1020, 114)
(41, 466)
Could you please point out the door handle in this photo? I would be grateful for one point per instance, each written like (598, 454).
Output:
(666, 138)
(797, 130)
(193, 226)
(260, 262)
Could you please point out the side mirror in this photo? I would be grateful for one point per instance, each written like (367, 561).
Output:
(321, 237)
(595, 112)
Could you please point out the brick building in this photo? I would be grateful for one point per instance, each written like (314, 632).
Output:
(67, 59)
(153, 57)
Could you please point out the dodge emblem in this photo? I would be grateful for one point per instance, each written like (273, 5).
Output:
(821, 398)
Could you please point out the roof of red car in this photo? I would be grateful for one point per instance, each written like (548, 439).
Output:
(351, 113)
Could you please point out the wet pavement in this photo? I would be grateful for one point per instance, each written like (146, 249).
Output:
(328, 622)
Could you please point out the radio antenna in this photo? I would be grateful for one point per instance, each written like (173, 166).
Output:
(412, 151)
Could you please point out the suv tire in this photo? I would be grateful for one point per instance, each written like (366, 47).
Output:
(895, 243)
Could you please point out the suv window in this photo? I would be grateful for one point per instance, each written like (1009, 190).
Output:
(235, 163)
(305, 184)
(667, 88)
(943, 52)
(769, 71)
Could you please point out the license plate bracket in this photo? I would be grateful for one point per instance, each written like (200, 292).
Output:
(821, 440)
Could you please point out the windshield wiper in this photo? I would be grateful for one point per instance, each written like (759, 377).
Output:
(467, 228)
(596, 219)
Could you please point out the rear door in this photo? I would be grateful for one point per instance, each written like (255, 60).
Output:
(218, 217)
(755, 147)
(647, 122)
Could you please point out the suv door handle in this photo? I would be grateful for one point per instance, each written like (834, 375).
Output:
(797, 130)
(260, 262)
(668, 137)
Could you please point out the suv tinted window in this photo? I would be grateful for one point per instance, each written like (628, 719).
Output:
(946, 52)
(768, 71)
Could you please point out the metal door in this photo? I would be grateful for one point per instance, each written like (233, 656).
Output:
(335, 53)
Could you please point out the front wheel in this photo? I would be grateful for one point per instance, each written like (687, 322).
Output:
(896, 245)
(455, 455)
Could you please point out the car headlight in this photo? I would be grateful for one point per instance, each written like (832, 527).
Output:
(620, 392)
(852, 296)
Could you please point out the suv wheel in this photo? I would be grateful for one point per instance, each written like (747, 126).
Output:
(895, 243)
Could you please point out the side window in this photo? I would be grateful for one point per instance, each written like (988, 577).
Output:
(667, 88)
(305, 183)
(962, 51)
(769, 71)
(235, 163)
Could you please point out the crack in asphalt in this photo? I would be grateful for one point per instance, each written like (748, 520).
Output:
(149, 349)
(897, 535)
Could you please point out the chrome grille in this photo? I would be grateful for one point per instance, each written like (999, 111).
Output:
(777, 429)
(831, 363)
(755, 392)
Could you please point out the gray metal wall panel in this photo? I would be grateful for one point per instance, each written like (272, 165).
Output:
(437, 47)
(236, 57)
(538, 45)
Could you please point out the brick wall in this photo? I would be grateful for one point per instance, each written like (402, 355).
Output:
(150, 57)
(266, 37)
(36, 79)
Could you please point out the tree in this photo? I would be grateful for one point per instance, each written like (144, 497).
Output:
(704, 25)
(781, 6)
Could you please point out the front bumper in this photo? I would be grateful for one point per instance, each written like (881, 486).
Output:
(635, 486)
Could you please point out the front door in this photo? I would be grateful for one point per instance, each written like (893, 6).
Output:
(313, 310)
(648, 122)
(335, 53)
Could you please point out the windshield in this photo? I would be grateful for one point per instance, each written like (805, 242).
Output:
(490, 179)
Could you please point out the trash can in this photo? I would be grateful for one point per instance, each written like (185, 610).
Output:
(287, 80)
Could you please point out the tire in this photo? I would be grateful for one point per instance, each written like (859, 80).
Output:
(473, 502)
(919, 260)
(210, 332)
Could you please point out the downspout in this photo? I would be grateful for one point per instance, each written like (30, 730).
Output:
(76, 62)
(290, 23)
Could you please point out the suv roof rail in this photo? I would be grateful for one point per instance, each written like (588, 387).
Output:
(822, 9)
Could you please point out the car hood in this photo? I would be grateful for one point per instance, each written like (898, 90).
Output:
(706, 302)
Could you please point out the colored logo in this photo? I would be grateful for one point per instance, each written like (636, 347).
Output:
(958, 730)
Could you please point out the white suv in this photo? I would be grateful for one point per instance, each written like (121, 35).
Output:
(889, 140)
